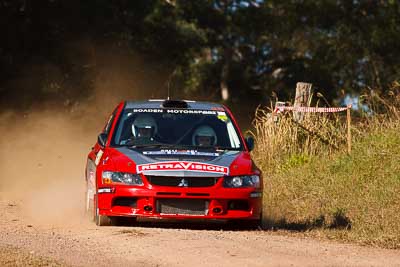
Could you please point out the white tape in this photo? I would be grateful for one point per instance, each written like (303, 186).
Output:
(310, 109)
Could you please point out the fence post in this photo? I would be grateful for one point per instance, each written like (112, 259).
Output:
(303, 93)
(276, 110)
(348, 129)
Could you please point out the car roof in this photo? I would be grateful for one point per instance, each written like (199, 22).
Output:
(158, 103)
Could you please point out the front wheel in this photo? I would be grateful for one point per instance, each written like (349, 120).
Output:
(255, 224)
(100, 220)
(89, 212)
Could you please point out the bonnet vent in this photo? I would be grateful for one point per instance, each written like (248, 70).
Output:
(174, 104)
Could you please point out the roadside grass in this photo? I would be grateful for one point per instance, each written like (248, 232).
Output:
(323, 192)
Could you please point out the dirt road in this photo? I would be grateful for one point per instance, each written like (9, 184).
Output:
(77, 242)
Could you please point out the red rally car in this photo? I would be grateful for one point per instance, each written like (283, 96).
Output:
(173, 159)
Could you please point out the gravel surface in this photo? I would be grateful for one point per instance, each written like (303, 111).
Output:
(78, 242)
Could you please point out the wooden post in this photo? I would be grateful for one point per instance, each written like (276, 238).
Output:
(303, 93)
(274, 114)
(348, 129)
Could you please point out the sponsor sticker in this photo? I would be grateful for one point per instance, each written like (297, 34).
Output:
(98, 157)
(222, 116)
(147, 110)
(174, 111)
(182, 166)
(180, 152)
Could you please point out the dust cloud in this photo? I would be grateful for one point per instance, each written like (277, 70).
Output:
(43, 150)
(42, 163)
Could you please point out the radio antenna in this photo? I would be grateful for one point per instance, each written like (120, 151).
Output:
(169, 84)
(168, 91)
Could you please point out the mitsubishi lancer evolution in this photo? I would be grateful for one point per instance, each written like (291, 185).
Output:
(173, 160)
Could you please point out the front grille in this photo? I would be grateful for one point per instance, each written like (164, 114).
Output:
(182, 206)
(182, 181)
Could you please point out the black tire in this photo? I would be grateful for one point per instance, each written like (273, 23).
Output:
(254, 224)
(100, 220)
(247, 224)
(258, 224)
(89, 207)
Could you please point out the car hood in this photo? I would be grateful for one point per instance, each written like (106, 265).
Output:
(182, 163)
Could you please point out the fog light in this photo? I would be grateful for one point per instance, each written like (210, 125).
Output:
(148, 208)
(217, 210)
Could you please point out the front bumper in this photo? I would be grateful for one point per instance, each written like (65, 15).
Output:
(159, 202)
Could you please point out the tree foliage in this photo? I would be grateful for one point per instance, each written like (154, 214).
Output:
(249, 48)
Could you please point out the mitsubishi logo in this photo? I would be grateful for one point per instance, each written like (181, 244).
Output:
(183, 183)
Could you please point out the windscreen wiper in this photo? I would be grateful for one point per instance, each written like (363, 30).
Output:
(193, 147)
(156, 145)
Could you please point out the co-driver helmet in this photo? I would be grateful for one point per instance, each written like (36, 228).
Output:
(144, 126)
(204, 136)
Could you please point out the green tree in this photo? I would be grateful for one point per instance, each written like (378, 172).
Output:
(231, 50)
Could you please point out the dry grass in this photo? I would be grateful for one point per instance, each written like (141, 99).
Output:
(280, 138)
(313, 187)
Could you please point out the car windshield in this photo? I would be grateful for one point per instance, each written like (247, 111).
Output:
(176, 128)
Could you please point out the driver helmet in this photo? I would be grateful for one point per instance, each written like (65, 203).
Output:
(204, 136)
(144, 126)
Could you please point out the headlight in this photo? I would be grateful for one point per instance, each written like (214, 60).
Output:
(122, 178)
(242, 181)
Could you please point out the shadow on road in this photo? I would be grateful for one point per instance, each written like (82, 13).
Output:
(190, 225)
(338, 221)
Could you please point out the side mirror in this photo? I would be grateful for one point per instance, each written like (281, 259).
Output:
(102, 139)
(250, 142)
